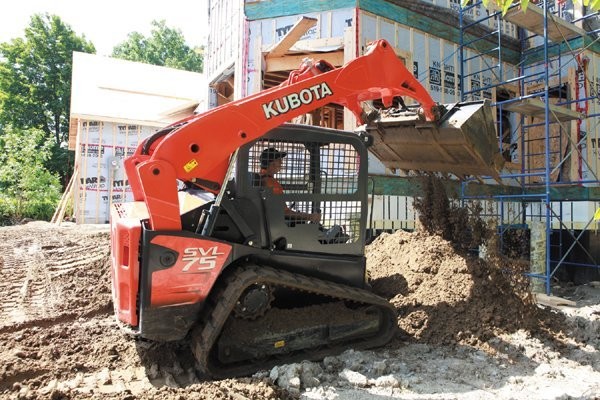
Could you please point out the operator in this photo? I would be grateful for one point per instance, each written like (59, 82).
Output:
(271, 161)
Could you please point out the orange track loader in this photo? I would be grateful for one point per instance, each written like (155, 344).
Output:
(208, 253)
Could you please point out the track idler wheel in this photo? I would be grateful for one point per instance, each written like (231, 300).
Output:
(254, 302)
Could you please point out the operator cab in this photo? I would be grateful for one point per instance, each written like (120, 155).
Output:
(319, 200)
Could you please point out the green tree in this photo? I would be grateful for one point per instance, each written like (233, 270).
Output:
(27, 188)
(504, 5)
(165, 47)
(35, 82)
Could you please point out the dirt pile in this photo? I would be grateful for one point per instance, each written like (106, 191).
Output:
(447, 296)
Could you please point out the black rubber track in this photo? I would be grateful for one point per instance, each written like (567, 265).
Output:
(224, 297)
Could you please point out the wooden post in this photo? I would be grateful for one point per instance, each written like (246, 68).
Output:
(59, 213)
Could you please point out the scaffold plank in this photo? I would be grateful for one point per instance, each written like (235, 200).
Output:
(532, 19)
(535, 107)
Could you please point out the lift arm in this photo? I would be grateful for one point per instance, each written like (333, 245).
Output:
(198, 148)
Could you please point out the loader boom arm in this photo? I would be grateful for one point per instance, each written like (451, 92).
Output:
(199, 147)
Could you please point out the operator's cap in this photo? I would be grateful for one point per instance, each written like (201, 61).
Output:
(270, 154)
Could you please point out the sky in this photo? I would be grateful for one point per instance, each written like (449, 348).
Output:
(106, 23)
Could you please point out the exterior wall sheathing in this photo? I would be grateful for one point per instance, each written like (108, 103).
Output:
(100, 178)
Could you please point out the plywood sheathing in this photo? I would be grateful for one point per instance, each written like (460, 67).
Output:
(443, 23)
(534, 107)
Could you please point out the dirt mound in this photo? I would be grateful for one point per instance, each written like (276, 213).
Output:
(446, 296)
(58, 335)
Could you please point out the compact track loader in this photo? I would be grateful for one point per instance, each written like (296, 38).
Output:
(257, 270)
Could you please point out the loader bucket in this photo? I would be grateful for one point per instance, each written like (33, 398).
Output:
(463, 142)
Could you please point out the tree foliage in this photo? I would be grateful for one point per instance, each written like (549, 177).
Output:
(27, 188)
(165, 47)
(504, 5)
(35, 76)
(35, 82)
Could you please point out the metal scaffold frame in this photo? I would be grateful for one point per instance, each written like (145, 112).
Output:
(549, 167)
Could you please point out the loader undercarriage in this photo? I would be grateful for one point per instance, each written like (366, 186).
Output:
(332, 318)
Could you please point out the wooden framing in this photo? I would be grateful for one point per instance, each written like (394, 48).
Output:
(297, 31)
(225, 90)
(291, 62)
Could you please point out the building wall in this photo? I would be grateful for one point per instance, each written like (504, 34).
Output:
(223, 49)
(586, 131)
(100, 176)
(331, 24)
(435, 61)
(264, 33)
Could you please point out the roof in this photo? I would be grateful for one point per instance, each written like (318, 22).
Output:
(109, 89)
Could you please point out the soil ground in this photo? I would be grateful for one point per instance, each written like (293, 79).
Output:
(468, 330)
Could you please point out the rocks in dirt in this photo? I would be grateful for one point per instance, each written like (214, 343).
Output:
(350, 369)
(354, 378)
(292, 377)
(388, 381)
(524, 367)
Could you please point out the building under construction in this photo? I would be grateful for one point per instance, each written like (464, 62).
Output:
(538, 68)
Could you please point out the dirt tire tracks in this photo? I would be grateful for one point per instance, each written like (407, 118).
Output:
(59, 337)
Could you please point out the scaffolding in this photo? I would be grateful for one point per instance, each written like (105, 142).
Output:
(546, 119)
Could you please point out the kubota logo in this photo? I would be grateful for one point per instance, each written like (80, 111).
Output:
(295, 100)
(199, 259)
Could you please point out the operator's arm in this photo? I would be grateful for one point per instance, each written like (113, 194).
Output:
(301, 216)
(275, 186)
